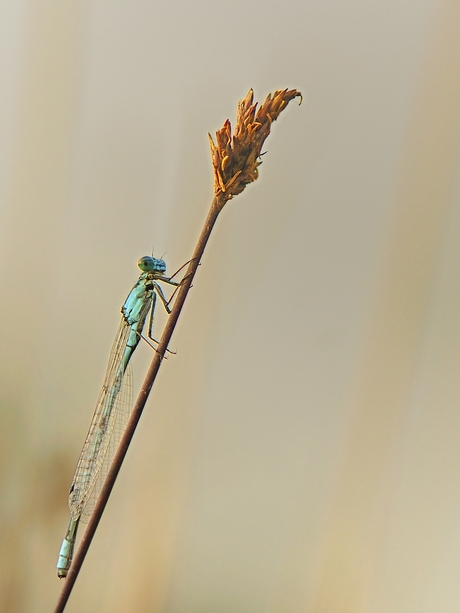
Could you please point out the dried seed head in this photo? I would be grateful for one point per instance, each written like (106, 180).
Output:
(235, 159)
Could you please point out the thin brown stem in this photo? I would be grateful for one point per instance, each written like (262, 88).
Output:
(216, 206)
(235, 160)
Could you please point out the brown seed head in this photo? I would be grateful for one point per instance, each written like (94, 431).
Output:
(235, 159)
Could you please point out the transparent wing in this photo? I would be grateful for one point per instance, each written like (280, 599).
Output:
(121, 412)
(112, 411)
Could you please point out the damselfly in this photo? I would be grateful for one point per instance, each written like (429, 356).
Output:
(114, 403)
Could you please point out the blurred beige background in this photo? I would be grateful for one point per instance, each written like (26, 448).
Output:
(301, 451)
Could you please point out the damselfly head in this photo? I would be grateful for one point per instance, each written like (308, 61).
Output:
(149, 264)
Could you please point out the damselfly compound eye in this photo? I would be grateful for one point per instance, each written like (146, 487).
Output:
(147, 263)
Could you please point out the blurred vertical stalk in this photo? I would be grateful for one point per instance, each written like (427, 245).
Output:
(351, 554)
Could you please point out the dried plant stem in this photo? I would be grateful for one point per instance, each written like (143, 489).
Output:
(128, 434)
(235, 160)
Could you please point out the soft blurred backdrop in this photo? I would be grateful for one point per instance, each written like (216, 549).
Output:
(301, 451)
